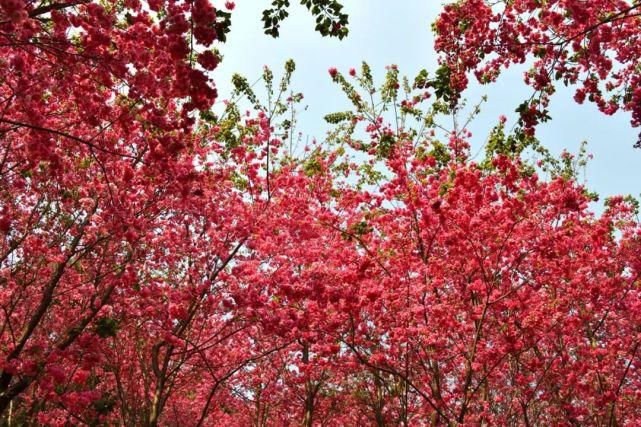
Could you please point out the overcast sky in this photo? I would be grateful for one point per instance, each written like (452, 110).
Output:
(384, 32)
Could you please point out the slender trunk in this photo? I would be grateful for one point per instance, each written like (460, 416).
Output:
(308, 414)
(156, 403)
(380, 402)
(7, 396)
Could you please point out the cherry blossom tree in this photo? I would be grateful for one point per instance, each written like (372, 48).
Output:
(486, 294)
(593, 45)
(166, 263)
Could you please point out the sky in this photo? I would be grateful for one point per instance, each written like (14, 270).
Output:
(384, 32)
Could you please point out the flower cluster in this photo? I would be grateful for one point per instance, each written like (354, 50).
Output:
(587, 44)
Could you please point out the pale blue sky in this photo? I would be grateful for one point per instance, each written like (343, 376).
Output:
(382, 34)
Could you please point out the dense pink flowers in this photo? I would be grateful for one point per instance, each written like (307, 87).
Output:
(163, 265)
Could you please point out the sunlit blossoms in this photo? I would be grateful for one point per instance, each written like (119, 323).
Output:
(164, 262)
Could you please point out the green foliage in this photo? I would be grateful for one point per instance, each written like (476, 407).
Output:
(421, 81)
(330, 20)
(512, 145)
(339, 117)
(239, 181)
(389, 90)
(515, 144)
(357, 230)
(385, 145)
(396, 97)
(313, 166)
(442, 84)
(223, 24)
(277, 102)
(567, 166)
(106, 327)
(532, 112)
(368, 175)
(242, 87)
(441, 153)
(105, 404)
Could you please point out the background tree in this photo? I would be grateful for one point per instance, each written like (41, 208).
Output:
(593, 45)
